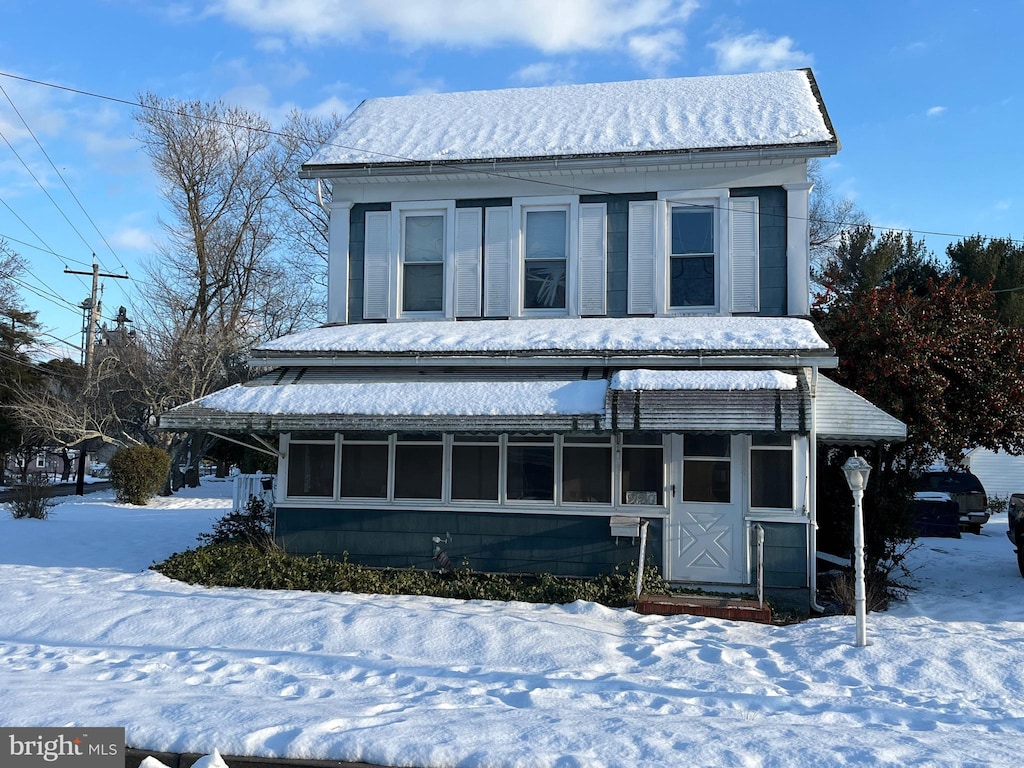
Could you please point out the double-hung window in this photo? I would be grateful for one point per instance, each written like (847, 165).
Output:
(692, 257)
(545, 258)
(423, 258)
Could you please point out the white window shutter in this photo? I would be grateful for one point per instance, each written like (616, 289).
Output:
(498, 263)
(376, 265)
(468, 238)
(593, 271)
(743, 254)
(642, 256)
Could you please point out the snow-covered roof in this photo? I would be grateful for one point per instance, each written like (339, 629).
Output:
(647, 380)
(419, 398)
(572, 336)
(761, 110)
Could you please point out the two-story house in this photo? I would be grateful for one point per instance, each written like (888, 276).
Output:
(559, 317)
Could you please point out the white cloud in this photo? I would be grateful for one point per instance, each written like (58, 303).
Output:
(936, 111)
(757, 52)
(656, 52)
(133, 239)
(550, 26)
(544, 73)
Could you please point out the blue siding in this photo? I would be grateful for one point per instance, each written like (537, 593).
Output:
(497, 542)
(785, 565)
(772, 237)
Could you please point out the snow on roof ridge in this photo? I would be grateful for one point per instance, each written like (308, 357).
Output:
(636, 116)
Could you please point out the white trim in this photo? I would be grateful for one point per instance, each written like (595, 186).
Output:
(338, 244)
(798, 258)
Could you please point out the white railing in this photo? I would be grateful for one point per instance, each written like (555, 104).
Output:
(246, 486)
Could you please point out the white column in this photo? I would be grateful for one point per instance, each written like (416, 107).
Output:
(337, 261)
(798, 258)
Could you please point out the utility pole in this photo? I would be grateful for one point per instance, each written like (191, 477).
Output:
(90, 349)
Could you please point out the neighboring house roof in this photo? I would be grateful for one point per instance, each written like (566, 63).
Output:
(678, 115)
(550, 337)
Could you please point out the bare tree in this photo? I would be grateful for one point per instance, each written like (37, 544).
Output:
(830, 217)
(303, 218)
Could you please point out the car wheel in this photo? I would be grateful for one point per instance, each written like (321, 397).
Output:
(974, 528)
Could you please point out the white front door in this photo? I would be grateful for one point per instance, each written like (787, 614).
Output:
(706, 541)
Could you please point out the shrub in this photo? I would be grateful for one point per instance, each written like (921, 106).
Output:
(240, 564)
(253, 526)
(32, 498)
(138, 472)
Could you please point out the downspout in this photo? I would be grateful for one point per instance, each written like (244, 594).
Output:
(320, 196)
(812, 495)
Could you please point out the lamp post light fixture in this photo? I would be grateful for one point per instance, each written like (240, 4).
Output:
(857, 470)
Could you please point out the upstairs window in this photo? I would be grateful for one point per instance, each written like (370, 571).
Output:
(423, 257)
(692, 258)
(545, 258)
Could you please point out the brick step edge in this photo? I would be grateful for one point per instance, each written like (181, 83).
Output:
(700, 605)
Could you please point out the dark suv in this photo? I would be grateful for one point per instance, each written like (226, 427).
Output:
(1016, 530)
(963, 488)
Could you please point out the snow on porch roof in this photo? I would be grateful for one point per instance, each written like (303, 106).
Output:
(574, 336)
(766, 109)
(705, 381)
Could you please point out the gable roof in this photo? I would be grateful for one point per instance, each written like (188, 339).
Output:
(677, 115)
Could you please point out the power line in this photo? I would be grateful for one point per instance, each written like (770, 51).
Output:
(454, 165)
(60, 176)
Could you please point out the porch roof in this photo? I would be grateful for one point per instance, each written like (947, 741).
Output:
(628, 400)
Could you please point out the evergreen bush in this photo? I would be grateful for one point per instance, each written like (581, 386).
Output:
(138, 472)
(253, 526)
(241, 564)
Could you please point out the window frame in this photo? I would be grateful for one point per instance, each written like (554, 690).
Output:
(400, 211)
(794, 494)
(718, 201)
(521, 208)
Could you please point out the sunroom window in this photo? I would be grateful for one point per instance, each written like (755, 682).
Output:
(587, 470)
(364, 467)
(475, 467)
(311, 469)
(419, 466)
(643, 469)
(771, 471)
(692, 259)
(530, 468)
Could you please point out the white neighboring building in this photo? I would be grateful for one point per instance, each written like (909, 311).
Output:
(1001, 473)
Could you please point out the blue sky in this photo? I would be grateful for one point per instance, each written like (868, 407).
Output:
(925, 96)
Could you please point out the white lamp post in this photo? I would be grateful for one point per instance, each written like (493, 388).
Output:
(857, 471)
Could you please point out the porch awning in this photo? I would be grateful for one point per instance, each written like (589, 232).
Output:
(452, 406)
(843, 416)
(708, 401)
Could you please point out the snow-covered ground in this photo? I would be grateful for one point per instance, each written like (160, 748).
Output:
(90, 637)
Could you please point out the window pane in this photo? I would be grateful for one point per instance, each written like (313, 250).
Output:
(475, 472)
(706, 480)
(693, 230)
(418, 471)
(310, 470)
(545, 235)
(424, 238)
(692, 283)
(706, 445)
(587, 474)
(642, 474)
(423, 288)
(544, 285)
(531, 473)
(771, 479)
(364, 471)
